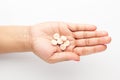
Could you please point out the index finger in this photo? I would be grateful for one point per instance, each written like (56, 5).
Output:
(81, 27)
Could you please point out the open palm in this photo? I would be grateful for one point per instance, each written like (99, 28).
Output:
(84, 39)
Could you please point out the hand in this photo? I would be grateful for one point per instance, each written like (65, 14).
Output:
(84, 40)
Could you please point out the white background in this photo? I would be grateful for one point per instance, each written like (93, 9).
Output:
(105, 14)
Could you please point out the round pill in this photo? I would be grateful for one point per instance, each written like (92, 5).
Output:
(59, 41)
(67, 43)
(56, 36)
(62, 47)
(63, 38)
(54, 42)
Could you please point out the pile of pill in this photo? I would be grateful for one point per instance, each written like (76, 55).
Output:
(61, 41)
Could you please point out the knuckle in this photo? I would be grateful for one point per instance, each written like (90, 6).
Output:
(84, 34)
(87, 42)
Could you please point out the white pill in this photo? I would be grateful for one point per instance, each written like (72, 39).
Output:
(54, 42)
(67, 43)
(63, 38)
(62, 47)
(56, 36)
(59, 41)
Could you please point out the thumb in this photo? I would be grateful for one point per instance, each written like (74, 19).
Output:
(63, 56)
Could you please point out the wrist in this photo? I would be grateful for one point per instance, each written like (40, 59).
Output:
(27, 37)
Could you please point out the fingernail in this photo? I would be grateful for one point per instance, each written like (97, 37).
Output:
(104, 33)
(77, 60)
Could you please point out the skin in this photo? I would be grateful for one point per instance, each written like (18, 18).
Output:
(84, 40)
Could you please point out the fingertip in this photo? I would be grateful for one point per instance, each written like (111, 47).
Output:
(104, 33)
(105, 47)
(94, 27)
(77, 59)
(90, 27)
(108, 40)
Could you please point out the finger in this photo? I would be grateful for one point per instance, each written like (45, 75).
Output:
(81, 27)
(92, 41)
(63, 56)
(89, 34)
(89, 50)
